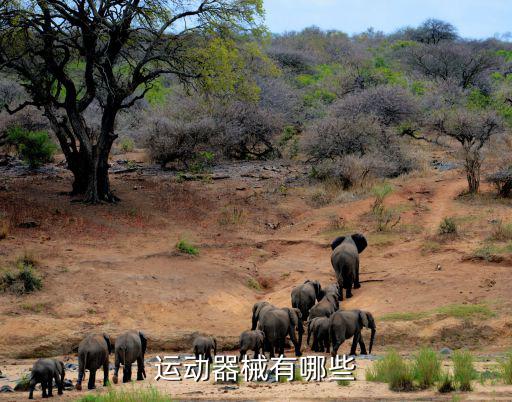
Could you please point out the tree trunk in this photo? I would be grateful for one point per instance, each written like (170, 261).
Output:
(473, 173)
(98, 183)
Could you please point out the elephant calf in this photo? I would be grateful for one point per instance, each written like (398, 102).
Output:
(44, 372)
(130, 347)
(203, 346)
(329, 303)
(251, 340)
(93, 354)
(305, 296)
(319, 329)
(347, 324)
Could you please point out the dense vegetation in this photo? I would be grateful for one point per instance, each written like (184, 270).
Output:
(355, 106)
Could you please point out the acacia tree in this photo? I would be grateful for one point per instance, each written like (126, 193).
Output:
(75, 55)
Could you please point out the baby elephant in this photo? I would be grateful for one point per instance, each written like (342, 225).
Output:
(319, 328)
(203, 346)
(130, 347)
(45, 371)
(251, 340)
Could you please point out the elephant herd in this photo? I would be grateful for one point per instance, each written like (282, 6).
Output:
(328, 327)
(319, 307)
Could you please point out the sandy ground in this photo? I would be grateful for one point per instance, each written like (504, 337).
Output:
(110, 268)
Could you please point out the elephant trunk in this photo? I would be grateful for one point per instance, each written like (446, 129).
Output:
(371, 340)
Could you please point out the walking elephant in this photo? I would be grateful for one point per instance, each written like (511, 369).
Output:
(347, 324)
(345, 261)
(130, 347)
(277, 323)
(203, 346)
(305, 296)
(329, 303)
(251, 340)
(258, 310)
(44, 372)
(319, 328)
(93, 353)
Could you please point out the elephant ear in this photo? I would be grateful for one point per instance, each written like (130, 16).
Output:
(363, 318)
(109, 345)
(360, 242)
(337, 241)
(143, 342)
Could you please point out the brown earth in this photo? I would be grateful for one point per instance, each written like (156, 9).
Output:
(115, 267)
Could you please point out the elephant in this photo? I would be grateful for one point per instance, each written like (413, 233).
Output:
(305, 296)
(130, 347)
(277, 323)
(345, 261)
(44, 371)
(93, 353)
(329, 303)
(251, 340)
(203, 346)
(258, 310)
(319, 328)
(347, 324)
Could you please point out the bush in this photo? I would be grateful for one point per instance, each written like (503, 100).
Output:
(445, 383)
(502, 181)
(134, 395)
(127, 144)
(23, 279)
(506, 369)
(393, 370)
(427, 368)
(184, 246)
(34, 147)
(502, 231)
(463, 370)
(447, 226)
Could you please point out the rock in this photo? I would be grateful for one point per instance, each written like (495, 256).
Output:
(152, 360)
(229, 388)
(71, 366)
(439, 267)
(6, 389)
(445, 351)
(28, 224)
(68, 384)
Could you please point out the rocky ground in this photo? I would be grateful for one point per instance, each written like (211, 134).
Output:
(260, 228)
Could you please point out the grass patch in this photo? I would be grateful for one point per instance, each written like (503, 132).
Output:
(253, 284)
(23, 278)
(232, 216)
(501, 231)
(489, 251)
(343, 383)
(466, 311)
(447, 226)
(426, 368)
(185, 247)
(34, 308)
(445, 383)
(134, 395)
(506, 369)
(404, 316)
(127, 144)
(463, 369)
(430, 246)
(394, 370)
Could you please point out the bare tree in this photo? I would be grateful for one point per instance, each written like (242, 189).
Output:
(71, 54)
(433, 31)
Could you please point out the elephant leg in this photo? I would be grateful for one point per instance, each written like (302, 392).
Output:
(50, 387)
(267, 347)
(81, 373)
(362, 346)
(197, 355)
(31, 388)
(140, 368)
(117, 365)
(357, 285)
(355, 341)
(335, 346)
(105, 373)
(348, 288)
(44, 386)
(209, 356)
(127, 372)
(59, 383)
(92, 379)
(281, 347)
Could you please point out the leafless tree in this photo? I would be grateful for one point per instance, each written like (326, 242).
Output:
(120, 47)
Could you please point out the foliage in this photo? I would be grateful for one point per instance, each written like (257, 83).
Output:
(23, 278)
(426, 367)
(447, 226)
(34, 147)
(463, 370)
(127, 144)
(502, 231)
(506, 369)
(127, 395)
(383, 215)
(394, 370)
(445, 383)
(183, 246)
(502, 181)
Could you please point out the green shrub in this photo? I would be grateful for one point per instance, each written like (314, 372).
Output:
(127, 144)
(184, 246)
(502, 231)
(506, 369)
(385, 217)
(134, 395)
(34, 147)
(393, 370)
(463, 370)
(426, 368)
(445, 383)
(447, 226)
(22, 279)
